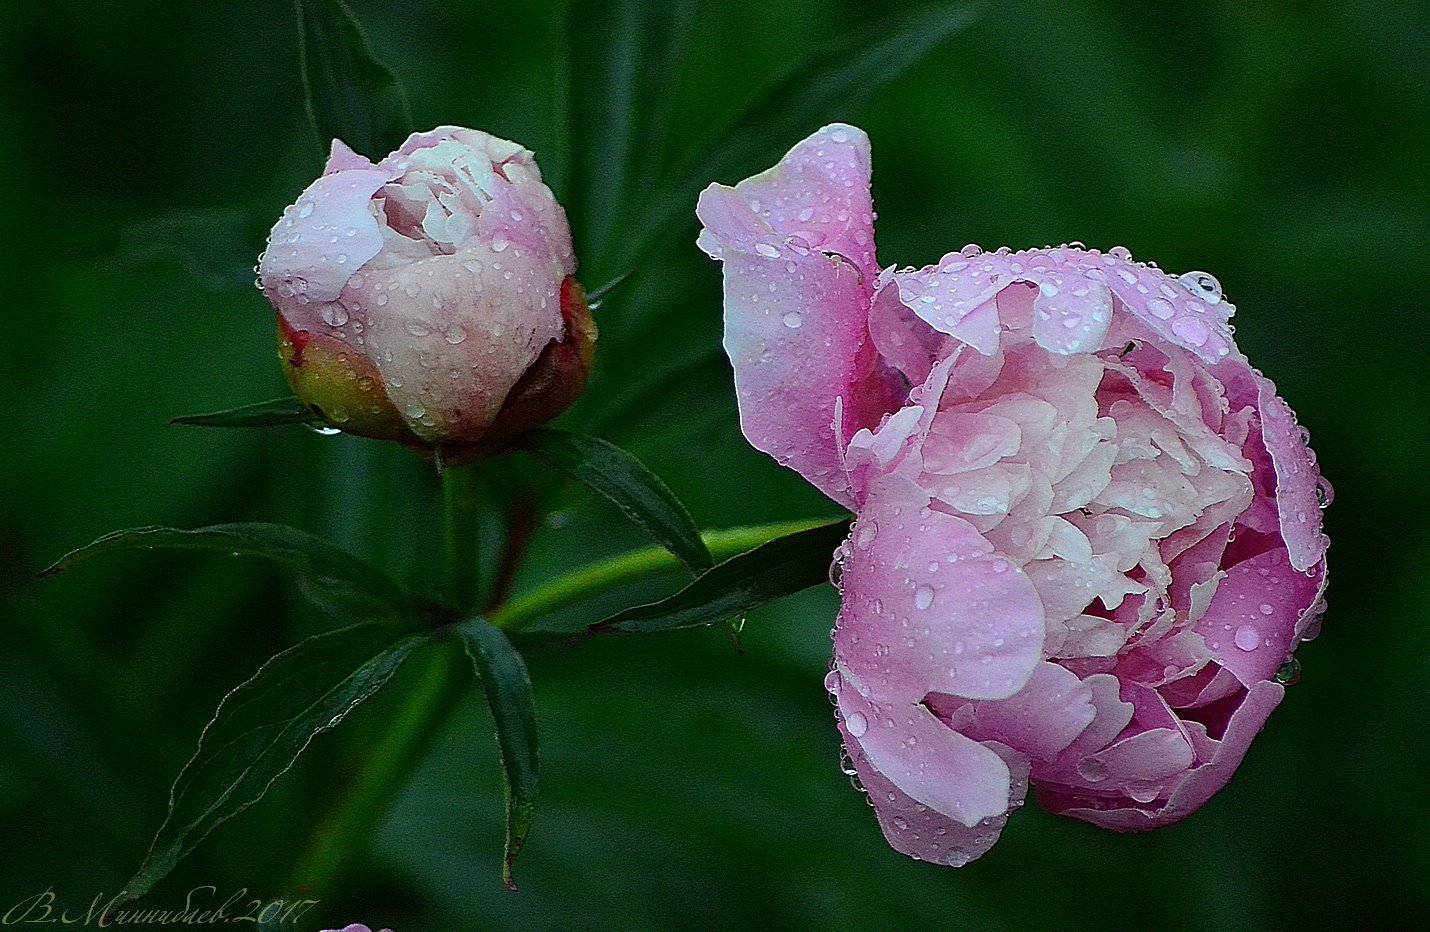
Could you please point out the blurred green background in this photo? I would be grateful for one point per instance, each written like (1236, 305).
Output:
(147, 147)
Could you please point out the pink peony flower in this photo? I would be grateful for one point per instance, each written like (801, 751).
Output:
(1088, 532)
(429, 297)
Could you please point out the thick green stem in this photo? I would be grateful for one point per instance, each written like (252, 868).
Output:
(633, 566)
(461, 536)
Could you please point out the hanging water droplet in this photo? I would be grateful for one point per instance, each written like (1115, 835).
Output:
(1289, 673)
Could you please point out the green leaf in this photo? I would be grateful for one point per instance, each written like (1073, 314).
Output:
(508, 691)
(608, 470)
(621, 57)
(350, 95)
(771, 571)
(332, 576)
(275, 413)
(826, 86)
(262, 726)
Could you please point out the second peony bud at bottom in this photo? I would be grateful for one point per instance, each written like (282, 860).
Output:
(430, 298)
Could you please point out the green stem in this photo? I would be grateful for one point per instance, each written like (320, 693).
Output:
(347, 828)
(388, 762)
(633, 566)
(461, 536)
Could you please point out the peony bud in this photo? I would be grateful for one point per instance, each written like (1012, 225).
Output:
(430, 298)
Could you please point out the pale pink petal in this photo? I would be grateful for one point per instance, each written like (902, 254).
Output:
(1040, 720)
(1071, 313)
(323, 238)
(906, 342)
(451, 334)
(952, 299)
(924, 758)
(797, 243)
(925, 833)
(928, 607)
(1252, 621)
(1297, 479)
(341, 158)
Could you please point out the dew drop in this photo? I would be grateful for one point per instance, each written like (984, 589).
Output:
(1247, 638)
(793, 321)
(1202, 284)
(1092, 770)
(857, 724)
(1289, 673)
(923, 597)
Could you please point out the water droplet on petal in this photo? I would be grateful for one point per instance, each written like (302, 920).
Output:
(923, 597)
(1202, 284)
(857, 724)
(1092, 770)
(793, 320)
(1247, 638)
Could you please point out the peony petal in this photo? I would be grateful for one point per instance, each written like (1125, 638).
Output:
(924, 833)
(1192, 792)
(341, 158)
(323, 238)
(928, 607)
(454, 334)
(1252, 620)
(797, 243)
(1071, 313)
(1041, 720)
(924, 758)
(1297, 479)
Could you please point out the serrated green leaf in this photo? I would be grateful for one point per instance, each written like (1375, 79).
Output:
(826, 86)
(509, 697)
(610, 471)
(350, 95)
(771, 571)
(332, 576)
(262, 727)
(276, 413)
(621, 57)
